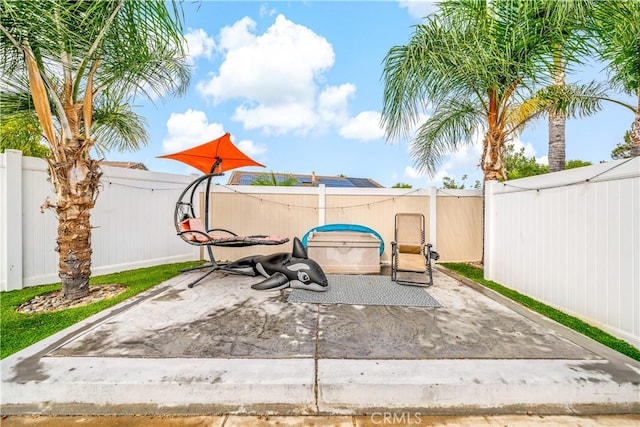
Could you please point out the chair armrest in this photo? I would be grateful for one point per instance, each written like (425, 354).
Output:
(194, 236)
(432, 255)
(223, 230)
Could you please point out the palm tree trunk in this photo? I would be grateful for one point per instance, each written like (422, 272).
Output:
(492, 165)
(635, 138)
(557, 150)
(76, 186)
(74, 248)
(557, 122)
(634, 134)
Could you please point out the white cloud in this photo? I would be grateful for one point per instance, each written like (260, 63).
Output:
(464, 161)
(277, 79)
(250, 148)
(265, 11)
(188, 129)
(418, 8)
(529, 151)
(237, 35)
(365, 126)
(276, 119)
(333, 103)
(466, 155)
(191, 128)
(272, 68)
(413, 173)
(518, 145)
(274, 74)
(198, 44)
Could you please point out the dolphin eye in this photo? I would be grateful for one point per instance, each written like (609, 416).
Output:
(303, 277)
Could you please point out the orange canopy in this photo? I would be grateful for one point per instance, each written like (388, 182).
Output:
(219, 155)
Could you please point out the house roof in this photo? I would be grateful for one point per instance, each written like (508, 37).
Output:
(313, 180)
(126, 165)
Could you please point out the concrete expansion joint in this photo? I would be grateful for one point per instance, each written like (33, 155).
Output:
(316, 386)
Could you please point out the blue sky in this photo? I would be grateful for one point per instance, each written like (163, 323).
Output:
(298, 86)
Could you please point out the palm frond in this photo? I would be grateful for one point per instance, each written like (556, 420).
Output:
(84, 48)
(437, 63)
(117, 126)
(617, 28)
(519, 114)
(466, 50)
(573, 100)
(453, 123)
(151, 59)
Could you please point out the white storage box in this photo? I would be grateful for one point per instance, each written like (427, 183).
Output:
(345, 252)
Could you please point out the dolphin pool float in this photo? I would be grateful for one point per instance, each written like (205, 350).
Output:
(283, 270)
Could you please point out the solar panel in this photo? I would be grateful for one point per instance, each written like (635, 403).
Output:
(246, 179)
(362, 182)
(336, 182)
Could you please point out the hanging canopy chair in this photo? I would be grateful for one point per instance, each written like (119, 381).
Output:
(213, 159)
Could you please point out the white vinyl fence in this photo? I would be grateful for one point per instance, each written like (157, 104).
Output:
(133, 219)
(132, 222)
(572, 240)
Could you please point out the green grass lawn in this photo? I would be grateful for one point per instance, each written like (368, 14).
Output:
(477, 275)
(20, 330)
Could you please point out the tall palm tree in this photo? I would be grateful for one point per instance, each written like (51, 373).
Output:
(72, 57)
(562, 101)
(617, 28)
(475, 62)
(568, 19)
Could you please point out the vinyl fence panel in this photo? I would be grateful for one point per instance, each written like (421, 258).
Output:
(132, 222)
(572, 240)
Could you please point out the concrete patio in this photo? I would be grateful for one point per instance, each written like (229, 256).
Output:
(223, 348)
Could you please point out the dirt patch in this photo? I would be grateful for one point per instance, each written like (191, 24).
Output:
(53, 301)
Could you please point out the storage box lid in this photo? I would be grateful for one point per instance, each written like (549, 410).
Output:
(341, 238)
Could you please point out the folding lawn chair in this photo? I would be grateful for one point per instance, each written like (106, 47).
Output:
(409, 253)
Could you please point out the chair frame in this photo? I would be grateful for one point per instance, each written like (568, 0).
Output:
(425, 250)
(184, 209)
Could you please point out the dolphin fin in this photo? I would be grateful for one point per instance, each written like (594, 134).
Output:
(299, 251)
(275, 282)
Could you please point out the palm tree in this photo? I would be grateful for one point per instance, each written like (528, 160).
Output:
(80, 64)
(568, 19)
(270, 179)
(476, 63)
(562, 101)
(617, 29)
